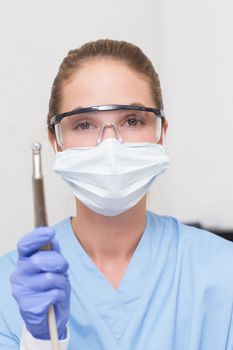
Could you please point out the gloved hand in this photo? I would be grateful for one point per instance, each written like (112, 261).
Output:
(40, 280)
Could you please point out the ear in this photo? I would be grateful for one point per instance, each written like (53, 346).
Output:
(164, 131)
(53, 141)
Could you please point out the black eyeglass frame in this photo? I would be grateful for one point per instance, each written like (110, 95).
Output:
(58, 117)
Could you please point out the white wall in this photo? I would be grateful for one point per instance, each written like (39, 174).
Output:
(190, 45)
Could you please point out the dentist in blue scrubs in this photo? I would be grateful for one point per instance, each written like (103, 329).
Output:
(120, 277)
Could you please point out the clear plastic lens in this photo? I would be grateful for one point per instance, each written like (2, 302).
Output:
(89, 129)
(158, 129)
(58, 134)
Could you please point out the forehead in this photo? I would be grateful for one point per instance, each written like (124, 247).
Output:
(105, 82)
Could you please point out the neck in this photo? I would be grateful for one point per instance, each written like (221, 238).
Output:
(110, 239)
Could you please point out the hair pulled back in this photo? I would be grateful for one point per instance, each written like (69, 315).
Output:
(122, 51)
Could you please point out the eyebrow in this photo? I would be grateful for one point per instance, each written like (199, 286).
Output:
(137, 104)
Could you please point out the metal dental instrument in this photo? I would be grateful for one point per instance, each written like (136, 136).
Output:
(40, 218)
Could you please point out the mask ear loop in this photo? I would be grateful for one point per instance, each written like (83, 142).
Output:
(55, 146)
(163, 138)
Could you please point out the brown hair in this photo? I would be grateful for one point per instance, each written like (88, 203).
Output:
(123, 51)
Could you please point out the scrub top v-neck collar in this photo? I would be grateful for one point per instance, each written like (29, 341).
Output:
(116, 306)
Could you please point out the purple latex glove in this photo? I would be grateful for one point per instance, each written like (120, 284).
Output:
(40, 279)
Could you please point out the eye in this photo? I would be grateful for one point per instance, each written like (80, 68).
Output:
(134, 121)
(83, 125)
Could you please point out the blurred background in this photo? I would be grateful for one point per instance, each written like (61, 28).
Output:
(190, 45)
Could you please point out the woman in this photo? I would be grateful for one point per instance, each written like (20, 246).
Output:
(119, 276)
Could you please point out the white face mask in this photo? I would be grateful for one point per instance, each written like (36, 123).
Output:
(111, 177)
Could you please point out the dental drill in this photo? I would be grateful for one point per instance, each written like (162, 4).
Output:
(40, 218)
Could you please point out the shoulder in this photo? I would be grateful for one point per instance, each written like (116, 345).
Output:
(204, 252)
(190, 236)
(10, 321)
(8, 262)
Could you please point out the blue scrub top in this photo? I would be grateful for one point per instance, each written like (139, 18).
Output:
(176, 294)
